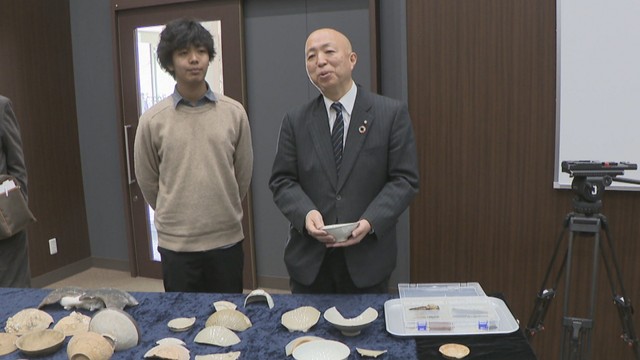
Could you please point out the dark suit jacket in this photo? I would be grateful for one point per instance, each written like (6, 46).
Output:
(14, 260)
(377, 180)
(11, 156)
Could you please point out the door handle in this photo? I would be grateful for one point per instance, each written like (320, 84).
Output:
(130, 176)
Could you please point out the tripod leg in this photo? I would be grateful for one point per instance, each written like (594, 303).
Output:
(536, 320)
(576, 342)
(622, 302)
(543, 299)
(577, 338)
(625, 310)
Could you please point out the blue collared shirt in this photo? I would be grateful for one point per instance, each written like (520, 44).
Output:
(208, 96)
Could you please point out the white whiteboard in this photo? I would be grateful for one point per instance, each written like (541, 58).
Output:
(598, 84)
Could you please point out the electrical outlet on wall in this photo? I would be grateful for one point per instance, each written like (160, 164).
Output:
(53, 246)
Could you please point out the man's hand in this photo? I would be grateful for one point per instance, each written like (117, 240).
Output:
(314, 223)
(357, 235)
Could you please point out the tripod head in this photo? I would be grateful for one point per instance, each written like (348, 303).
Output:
(590, 178)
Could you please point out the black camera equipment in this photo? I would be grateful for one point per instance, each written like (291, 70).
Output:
(590, 178)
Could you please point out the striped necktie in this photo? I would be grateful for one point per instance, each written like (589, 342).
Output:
(337, 134)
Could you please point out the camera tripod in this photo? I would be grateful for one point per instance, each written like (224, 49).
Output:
(576, 338)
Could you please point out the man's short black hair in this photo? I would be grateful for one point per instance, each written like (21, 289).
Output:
(180, 34)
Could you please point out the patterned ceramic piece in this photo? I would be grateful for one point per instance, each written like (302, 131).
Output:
(300, 319)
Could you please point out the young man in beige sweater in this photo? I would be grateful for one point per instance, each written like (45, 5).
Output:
(193, 163)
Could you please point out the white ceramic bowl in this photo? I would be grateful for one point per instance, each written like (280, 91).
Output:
(340, 231)
(322, 350)
(119, 325)
(353, 326)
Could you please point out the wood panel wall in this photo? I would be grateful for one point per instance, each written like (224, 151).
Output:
(37, 74)
(482, 92)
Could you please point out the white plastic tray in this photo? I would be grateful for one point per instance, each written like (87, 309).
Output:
(395, 323)
(440, 289)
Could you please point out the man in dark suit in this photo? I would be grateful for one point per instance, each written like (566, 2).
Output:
(14, 254)
(337, 163)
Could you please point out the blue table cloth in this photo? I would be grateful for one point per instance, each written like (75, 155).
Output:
(266, 339)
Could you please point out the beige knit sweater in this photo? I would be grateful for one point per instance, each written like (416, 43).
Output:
(194, 165)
